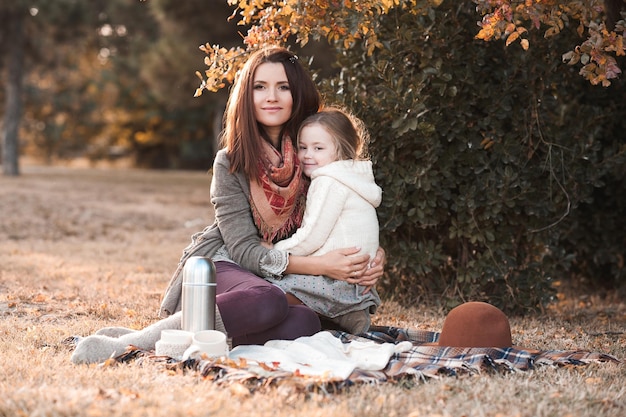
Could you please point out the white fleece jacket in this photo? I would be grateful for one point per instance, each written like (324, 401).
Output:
(340, 211)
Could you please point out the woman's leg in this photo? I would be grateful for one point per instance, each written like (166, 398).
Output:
(300, 321)
(255, 311)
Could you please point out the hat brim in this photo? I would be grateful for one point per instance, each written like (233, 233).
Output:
(514, 347)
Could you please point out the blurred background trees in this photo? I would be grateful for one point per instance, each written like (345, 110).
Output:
(112, 79)
(498, 126)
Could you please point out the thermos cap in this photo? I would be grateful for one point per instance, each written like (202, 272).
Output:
(199, 271)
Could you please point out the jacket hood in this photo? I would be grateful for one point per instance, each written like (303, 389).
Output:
(356, 175)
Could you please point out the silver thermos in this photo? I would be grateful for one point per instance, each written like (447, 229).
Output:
(198, 299)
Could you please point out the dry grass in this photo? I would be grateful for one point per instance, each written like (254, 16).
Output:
(81, 249)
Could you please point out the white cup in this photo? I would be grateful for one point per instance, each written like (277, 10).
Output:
(173, 343)
(179, 337)
(211, 343)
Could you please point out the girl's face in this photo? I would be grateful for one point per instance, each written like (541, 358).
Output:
(316, 148)
(272, 98)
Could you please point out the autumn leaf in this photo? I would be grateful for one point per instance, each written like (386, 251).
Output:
(512, 38)
(525, 44)
(555, 15)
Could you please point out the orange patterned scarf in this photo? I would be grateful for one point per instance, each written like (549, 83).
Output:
(278, 199)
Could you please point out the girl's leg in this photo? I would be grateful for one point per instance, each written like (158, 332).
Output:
(255, 311)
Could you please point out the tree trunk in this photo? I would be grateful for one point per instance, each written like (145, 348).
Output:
(10, 137)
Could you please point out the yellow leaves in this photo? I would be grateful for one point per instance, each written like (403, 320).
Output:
(512, 38)
(222, 64)
(571, 57)
(597, 54)
(388, 4)
(341, 22)
(249, 9)
(372, 45)
(599, 66)
(620, 50)
(288, 9)
(613, 43)
(556, 25)
(525, 44)
(485, 33)
(495, 23)
(199, 90)
(487, 143)
(516, 32)
(345, 23)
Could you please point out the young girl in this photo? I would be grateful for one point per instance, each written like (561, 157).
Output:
(340, 212)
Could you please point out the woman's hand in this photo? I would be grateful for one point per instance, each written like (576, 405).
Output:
(345, 265)
(373, 273)
(341, 264)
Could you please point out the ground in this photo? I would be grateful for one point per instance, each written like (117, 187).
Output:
(85, 248)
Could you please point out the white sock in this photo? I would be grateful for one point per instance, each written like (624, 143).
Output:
(113, 341)
(114, 331)
(98, 347)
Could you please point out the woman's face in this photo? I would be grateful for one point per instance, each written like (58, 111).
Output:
(272, 98)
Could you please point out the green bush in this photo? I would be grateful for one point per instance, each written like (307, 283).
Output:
(492, 160)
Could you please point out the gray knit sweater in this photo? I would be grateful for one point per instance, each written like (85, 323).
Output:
(236, 236)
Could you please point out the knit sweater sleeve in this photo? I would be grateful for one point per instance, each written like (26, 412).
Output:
(229, 195)
(325, 202)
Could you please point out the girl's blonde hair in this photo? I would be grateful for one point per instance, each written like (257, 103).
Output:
(348, 131)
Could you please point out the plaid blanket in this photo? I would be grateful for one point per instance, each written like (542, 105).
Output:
(434, 361)
(419, 363)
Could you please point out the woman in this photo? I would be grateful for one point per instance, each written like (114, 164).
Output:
(258, 193)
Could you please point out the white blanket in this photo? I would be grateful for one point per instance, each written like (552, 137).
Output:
(321, 355)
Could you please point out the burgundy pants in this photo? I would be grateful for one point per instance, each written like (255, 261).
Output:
(255, 311)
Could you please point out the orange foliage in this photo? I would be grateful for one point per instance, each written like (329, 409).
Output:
(345, 23)
(509, 19)
(342, 22)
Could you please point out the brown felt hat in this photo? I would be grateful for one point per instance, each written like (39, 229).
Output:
(475, 324)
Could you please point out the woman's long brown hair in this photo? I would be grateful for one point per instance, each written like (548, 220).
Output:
(242, 134)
